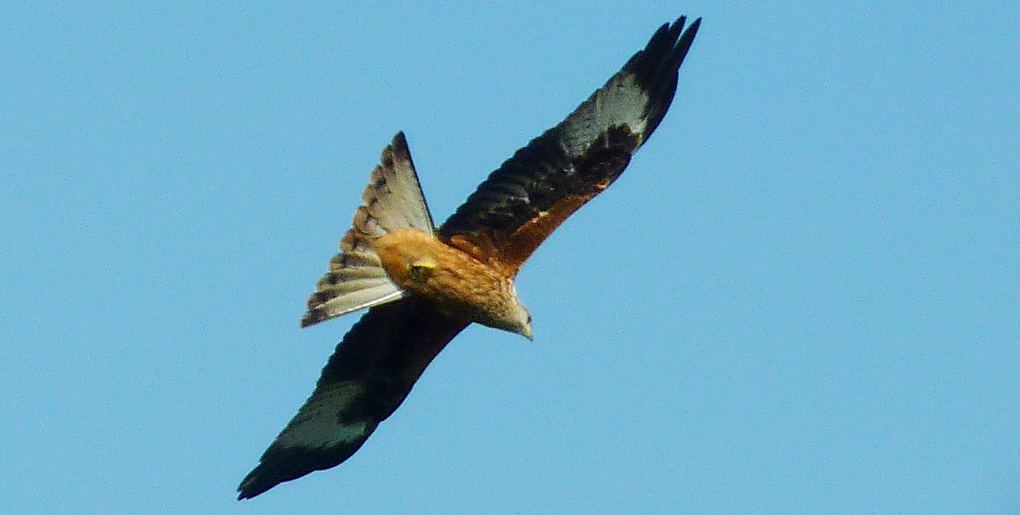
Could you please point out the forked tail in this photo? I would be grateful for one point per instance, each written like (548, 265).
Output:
(392, 200)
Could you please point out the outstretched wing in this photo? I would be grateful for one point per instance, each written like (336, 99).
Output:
(356, 279)
(523, 201)
(368, 376)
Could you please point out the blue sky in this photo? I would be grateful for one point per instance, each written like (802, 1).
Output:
(801, 297)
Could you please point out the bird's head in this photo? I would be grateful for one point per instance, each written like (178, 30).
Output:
(518, 321)
(523, 325)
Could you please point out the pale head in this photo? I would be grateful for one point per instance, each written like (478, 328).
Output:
(518, 320)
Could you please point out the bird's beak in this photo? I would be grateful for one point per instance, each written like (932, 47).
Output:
(527, 333)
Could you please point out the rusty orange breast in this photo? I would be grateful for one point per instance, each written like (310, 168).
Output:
(452, 279)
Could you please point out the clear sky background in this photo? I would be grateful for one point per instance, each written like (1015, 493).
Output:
(801, 297)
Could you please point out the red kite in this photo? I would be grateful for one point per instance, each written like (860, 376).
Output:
(424, 285)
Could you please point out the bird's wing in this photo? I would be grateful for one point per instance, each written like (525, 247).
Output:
(523, 201)
(356, 279)
(368, 376)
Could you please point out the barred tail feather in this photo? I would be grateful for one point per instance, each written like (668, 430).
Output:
(392, 200)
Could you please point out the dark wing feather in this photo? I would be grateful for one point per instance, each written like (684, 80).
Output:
(368, 376)
(523, 201)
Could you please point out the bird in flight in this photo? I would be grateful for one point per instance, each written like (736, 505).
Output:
(423, 285)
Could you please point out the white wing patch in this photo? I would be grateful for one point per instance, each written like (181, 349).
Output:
(392, 200)
(620, 102)
(317, 424)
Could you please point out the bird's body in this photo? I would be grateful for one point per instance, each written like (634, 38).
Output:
(474, 288)
(422, 285)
